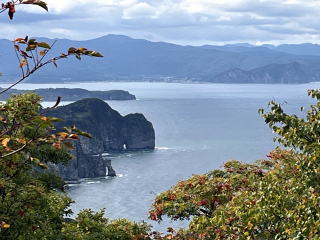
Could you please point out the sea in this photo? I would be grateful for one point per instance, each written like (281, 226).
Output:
(198, 128)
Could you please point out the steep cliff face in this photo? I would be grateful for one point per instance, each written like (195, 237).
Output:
(84, 166)
(136, 132)
(110, 132)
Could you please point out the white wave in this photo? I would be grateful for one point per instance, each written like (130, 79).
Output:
(162, 148)
(93, 182)
(105, 154)
(122, 175)
(102, 154)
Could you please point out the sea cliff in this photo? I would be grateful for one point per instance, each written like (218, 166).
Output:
(110, 132)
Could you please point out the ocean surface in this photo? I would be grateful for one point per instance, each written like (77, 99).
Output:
(198, 128)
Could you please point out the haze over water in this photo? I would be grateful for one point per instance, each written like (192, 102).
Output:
(198, 128)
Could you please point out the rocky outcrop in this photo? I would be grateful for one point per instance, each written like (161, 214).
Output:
(136, 132)
(111, 171)
(72, 94)
(85, 166)
(110, 132)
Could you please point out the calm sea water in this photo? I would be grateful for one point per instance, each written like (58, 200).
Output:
(198, 128)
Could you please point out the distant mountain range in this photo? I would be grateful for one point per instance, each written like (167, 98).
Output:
(128, 59)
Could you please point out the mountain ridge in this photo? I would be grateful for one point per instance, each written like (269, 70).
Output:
(128, 59)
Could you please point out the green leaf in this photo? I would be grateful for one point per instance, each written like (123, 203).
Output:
(72, 50)
(96, 54)
(81, 133)
(31, 47)
(44, 45)
(42, 165)
(32, 41)
(54, 119)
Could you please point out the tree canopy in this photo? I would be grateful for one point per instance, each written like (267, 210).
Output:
(32, 202)
(276, 198)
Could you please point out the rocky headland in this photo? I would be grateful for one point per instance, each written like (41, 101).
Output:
(111, 132)
(72, 94)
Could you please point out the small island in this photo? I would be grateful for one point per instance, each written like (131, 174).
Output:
(72, 94)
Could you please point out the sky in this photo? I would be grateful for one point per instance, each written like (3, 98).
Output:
(186, 22)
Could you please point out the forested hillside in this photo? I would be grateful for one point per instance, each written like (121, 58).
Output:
(141, 60)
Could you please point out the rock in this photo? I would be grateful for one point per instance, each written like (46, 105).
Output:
(111, 171)
(84, 166)
(110, 132)
(69, 171)
(137, 134)
(90, 166)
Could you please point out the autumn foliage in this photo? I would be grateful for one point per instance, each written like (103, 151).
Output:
(32, 202)
(275, 198)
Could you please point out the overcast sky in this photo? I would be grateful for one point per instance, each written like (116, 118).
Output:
(193, 22)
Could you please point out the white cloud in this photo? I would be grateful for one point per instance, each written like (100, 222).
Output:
(180, 21)
(139, 10)
(61, 31)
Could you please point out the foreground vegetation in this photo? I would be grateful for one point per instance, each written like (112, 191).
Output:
(276, 198)
(32, 204)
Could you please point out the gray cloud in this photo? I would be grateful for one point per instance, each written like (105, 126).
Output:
(274, 9)
(178, 21)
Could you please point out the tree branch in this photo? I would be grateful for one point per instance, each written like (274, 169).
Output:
(18, 150)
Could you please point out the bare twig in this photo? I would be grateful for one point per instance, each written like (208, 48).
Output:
(29, 73)
(12, 128)
(37, 56)
(11, 86)
(37, 65)
(27, 62)
(16, 52)
(18, 150)
(34, 61)
(52, 45)
(57, 102)
(77, 52)
(16, 3)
